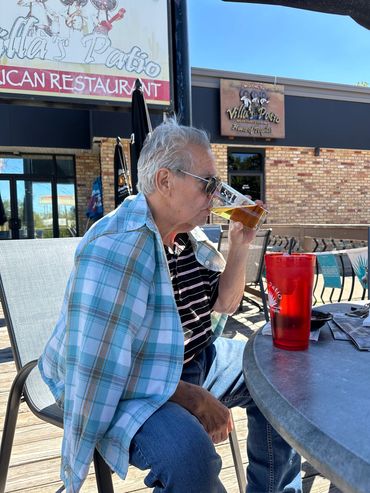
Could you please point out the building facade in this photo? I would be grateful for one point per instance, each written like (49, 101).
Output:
(312, 167)
(319, 171)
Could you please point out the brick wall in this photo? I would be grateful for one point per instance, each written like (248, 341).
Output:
(89, 165)
(107, 173)
(330, 188)
(220, 153)
(87, 169)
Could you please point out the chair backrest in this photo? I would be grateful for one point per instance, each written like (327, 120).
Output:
(33, 278)
(256, 256)
(257, 250)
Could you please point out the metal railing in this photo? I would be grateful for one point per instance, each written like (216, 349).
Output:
(351, 288)
(280, 243)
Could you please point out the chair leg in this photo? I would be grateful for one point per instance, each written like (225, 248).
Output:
(103, 474)
(10, 421)
(238, 463)
(264, 301)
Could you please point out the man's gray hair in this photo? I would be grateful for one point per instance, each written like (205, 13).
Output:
(167, 147)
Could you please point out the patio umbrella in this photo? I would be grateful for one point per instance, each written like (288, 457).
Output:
(141, 126)
(121, 174)
(359, 9)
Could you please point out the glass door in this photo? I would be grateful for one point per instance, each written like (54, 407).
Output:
(246, 172)
(35, 209)
(38, 197)
(27, 209)
(5, 210)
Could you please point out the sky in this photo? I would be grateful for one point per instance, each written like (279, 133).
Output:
(277, 41)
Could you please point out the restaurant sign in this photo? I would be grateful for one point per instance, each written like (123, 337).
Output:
(252, 109)
(85, 49)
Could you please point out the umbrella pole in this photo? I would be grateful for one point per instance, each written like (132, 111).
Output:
(141, 127)
(123, 165)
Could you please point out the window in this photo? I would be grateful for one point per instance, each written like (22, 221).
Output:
(246, 172)
(39, 193)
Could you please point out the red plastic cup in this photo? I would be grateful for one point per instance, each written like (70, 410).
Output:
(289, 284)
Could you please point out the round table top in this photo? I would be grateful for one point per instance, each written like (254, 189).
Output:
(318, 400)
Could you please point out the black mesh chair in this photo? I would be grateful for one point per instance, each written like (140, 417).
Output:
(254, 273)
(33, 277)
(254, 270)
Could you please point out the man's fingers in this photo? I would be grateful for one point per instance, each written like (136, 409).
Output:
(219, 437)
(230, 425)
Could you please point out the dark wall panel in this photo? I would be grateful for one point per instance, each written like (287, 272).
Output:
(111, 124)
(206, 111)
(117, 123)
(309, 122)
(5, 133)
(327, 123)
(25, 126)
(44, 127)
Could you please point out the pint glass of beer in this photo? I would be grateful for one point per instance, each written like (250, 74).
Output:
(230, 204)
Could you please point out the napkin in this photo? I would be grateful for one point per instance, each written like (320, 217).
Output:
(362, 312)
(354, 328)
(337, 332)
(314, 334)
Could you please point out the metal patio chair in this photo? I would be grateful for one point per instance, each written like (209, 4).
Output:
(254, 270)
(254, 273)
(33, 277)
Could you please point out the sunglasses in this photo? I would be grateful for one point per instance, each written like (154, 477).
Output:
(212, 183)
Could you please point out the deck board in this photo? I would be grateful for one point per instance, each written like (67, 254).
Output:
(35, 461)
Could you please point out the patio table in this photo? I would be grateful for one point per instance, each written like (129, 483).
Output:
(318, 400)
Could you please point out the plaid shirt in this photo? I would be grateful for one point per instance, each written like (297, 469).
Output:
(116, 353)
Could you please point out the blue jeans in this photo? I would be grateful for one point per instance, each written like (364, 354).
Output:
(180, 455)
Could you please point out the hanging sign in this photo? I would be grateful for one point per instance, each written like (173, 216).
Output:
(85, 49)
(252, 109)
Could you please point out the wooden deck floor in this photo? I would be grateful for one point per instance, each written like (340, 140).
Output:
(35, 457)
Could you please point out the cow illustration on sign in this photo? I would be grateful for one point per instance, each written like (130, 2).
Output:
(74, 17)
(104, 6)
(254, 102)
(39, 10)
(102, 23)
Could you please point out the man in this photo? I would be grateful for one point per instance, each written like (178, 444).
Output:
(134, 359)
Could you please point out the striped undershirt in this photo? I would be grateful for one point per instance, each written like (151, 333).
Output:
(196, 290)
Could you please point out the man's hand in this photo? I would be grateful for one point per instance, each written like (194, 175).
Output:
(239, 235)
(212, 414)
(232, 280)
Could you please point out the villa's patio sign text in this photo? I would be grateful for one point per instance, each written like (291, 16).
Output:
(252, 109)
(93, 49)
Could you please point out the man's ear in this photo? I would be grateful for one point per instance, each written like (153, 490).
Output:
(163, 181)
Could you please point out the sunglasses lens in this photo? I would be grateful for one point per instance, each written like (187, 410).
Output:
(212, 185)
